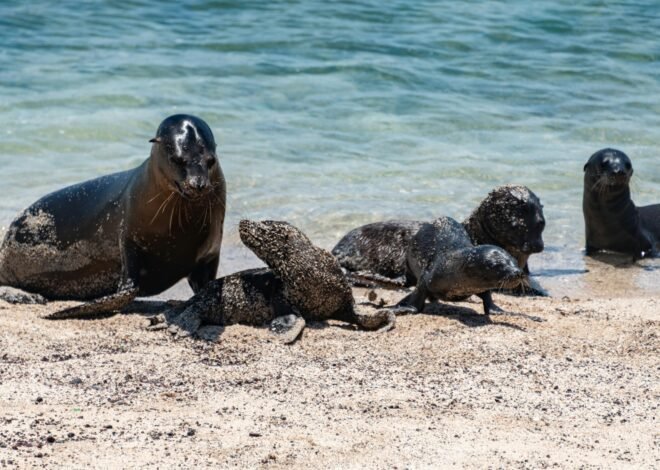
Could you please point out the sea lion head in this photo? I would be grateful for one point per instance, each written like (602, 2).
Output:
(491, 267)
(607, 170)
(511, 217)
(184, 151)
(312, 277)
(274, 242)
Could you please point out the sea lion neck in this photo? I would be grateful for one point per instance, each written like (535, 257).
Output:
(155, 182)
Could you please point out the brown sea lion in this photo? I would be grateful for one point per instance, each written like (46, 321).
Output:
(131, 233)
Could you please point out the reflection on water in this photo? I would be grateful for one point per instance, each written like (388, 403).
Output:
(603, 275)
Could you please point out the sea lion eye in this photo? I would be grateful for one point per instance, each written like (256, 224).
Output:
(210, 162)
(628, 166)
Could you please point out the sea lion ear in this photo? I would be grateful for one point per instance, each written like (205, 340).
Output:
(156, 140)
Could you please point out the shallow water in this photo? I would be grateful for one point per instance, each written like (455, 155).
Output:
(334, 114)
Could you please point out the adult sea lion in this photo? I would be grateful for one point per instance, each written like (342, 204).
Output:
(302, 282)
(449, 267)
(510, 217)
(612, 221)
(131, 233)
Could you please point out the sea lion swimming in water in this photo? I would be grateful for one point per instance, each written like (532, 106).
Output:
(302, 282)
(510, 217)
(128, 234)
(612, 221)
(448, 266)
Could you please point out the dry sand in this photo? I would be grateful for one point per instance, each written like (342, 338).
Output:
(558, 383)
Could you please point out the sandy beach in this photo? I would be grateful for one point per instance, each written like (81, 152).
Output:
(556, 382)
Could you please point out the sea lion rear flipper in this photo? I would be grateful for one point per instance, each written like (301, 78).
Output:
(371, 280)
(289, 327)
(380, 320)
(186, 320)
(108, 304)
(187, 323)
(18, 296)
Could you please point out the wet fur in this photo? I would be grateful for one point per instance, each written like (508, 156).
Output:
(510, 217)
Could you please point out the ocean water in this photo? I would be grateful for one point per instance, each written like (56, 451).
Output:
(334, 114)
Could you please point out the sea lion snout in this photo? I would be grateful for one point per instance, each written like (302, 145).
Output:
(535, 245)
(496, 263)
(195, 186)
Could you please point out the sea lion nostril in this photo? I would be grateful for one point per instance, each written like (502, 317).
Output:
(197, 183)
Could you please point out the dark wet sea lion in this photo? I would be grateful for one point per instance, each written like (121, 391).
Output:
(449, 267)
(510, 217)
(301, 280)
(131, 233)
(611, 219)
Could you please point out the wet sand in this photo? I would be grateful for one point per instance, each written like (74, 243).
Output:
(570, 382)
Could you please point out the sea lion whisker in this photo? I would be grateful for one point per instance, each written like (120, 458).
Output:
(162, 207)
(201, 227)
(179, 204)
(152, 199)
(171, 217)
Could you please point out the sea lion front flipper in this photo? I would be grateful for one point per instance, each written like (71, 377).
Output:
(108, 304)
(489, 305)
(415, 300)
(18, 296)
(289, 327)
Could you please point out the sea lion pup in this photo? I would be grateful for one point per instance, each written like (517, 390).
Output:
(131, 233)
(303, 282)
(611, 219)
(449, 267)
(510, 217)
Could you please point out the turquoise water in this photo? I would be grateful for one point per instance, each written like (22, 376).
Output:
(334, 114)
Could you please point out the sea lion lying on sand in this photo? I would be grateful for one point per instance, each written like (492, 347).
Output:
(510, 217)
(448, 266)
(302, 282)
(611, 219)
(132, 233)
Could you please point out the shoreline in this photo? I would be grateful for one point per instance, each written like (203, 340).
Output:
(565, 382)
